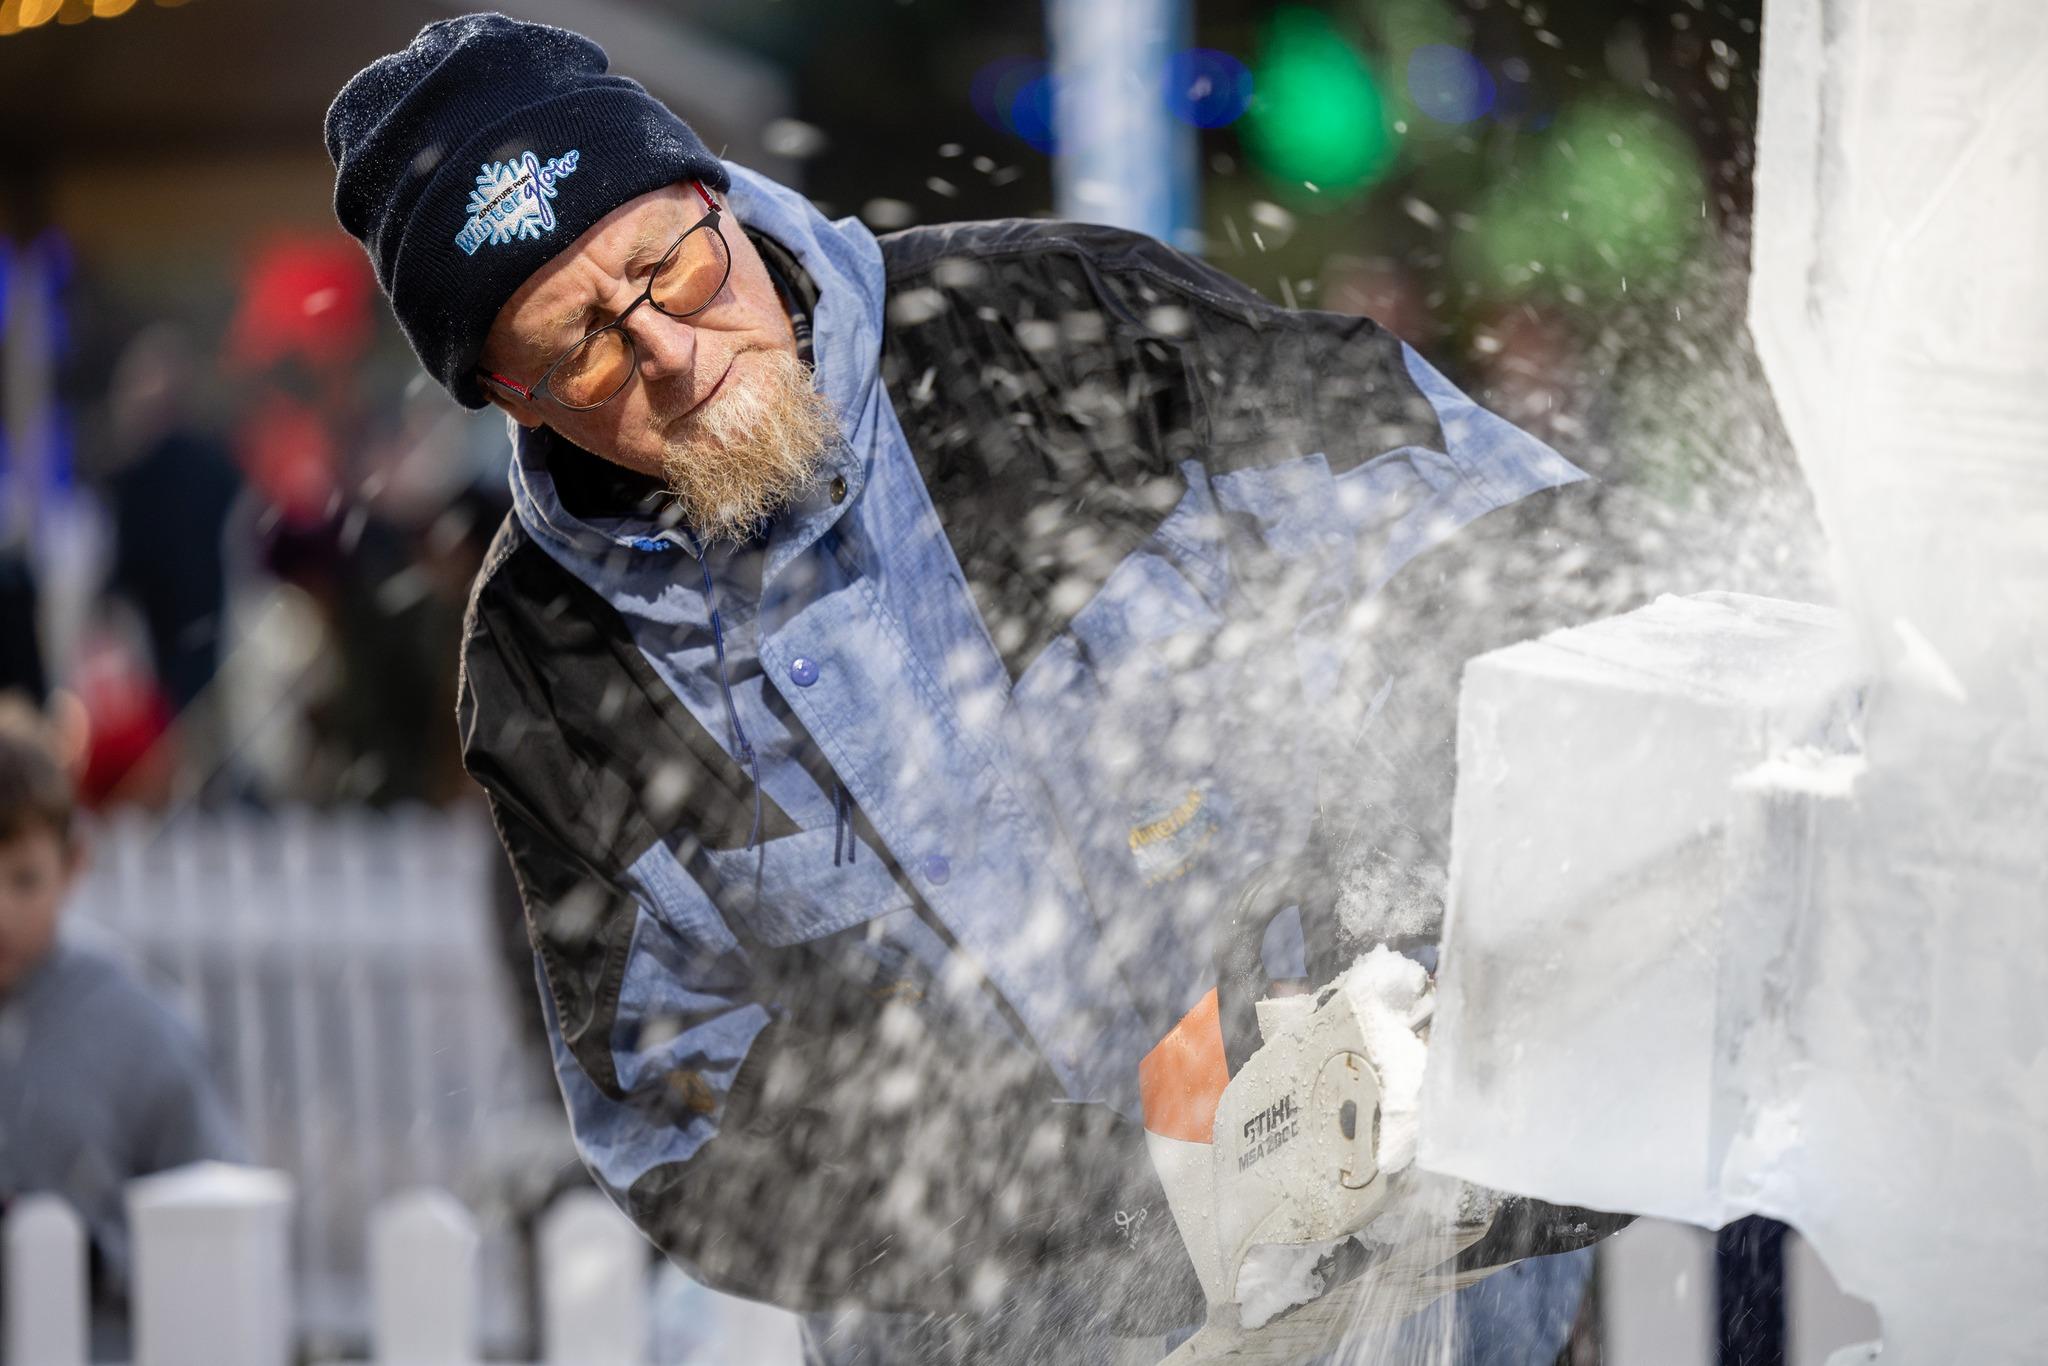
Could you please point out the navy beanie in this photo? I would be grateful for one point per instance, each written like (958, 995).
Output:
(465, 162)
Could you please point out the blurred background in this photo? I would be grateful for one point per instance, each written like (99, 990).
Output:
(237, 525)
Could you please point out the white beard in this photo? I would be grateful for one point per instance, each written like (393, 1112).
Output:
(752, 450)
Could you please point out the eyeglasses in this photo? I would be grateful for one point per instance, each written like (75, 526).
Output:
(685, 281)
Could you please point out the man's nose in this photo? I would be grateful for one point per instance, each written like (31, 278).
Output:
(667, 347)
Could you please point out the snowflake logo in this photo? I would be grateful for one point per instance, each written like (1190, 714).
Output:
(510, 200)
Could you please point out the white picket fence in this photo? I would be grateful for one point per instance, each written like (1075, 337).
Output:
(343, 969)
(212, 1285)
(212, 1288)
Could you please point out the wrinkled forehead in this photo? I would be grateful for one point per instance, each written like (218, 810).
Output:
(616, 250)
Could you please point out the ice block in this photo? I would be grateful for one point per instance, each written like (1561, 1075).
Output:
(1601, 824)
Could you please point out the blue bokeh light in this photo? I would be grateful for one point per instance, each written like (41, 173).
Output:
(994, 88)
(1207, 88)
(1031, 114)
(1449, 84)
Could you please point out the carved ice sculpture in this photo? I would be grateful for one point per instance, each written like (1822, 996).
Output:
(1800, 976)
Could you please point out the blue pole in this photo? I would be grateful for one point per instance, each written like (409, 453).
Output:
(1120, 155)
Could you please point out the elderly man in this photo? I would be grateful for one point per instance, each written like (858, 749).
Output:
(898, 655)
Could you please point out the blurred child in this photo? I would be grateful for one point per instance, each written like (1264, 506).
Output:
(100, 1081)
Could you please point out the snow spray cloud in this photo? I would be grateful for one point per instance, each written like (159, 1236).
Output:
(1194, 630)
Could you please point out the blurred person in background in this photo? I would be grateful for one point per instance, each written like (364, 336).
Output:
(377, 715)
(101, 1081)
(381, 521)
(170, 490)
(899, 655)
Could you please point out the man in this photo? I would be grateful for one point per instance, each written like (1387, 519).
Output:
(898, 655)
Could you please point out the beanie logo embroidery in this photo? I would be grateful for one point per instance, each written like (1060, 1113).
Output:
(510, 200)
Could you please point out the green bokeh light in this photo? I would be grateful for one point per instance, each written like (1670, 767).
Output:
(1317, 113)
(1614, 194)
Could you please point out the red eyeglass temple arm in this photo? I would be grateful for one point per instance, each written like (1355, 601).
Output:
(514, 385)
(520, 389)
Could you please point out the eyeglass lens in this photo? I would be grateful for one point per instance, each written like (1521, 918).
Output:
(598, 367)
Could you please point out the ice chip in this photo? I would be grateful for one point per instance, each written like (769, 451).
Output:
(793, 138)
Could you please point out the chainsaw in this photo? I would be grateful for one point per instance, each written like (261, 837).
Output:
(1282, 1128)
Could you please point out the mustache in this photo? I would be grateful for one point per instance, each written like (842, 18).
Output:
(691, 411)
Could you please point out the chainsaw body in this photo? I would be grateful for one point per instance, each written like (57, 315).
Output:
(1268, 1122)
(1283, 1130)
(1303, 1114)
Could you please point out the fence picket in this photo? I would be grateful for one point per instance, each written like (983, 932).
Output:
(212, 1266)
(45, 1287)
(423, 1247)
(594, 1284)
(1657, 1295)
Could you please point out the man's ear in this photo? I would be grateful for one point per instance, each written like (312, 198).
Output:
(504, 397)
(523, 411)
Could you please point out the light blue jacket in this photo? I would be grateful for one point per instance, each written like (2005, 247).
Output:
(1029, 826)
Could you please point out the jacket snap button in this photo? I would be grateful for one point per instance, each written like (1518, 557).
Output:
(803, 671)
(937, 868)
(838, 488)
